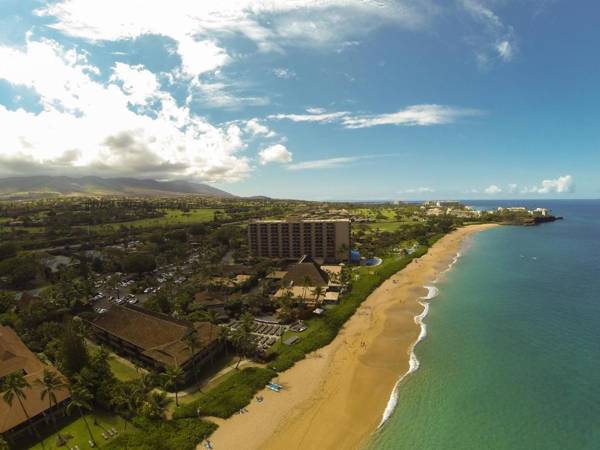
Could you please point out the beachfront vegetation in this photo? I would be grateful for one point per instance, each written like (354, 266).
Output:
(230, 396)
(180, 434)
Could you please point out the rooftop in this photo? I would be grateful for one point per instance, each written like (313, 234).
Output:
(161, 337)
(14, 357)
(305, 274)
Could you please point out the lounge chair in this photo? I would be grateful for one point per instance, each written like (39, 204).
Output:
(91, 443)
(105, 436)
(115, 432)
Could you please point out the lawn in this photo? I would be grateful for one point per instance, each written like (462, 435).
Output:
(171, 217)
(390, 226)
(121, 370)
(98, 421)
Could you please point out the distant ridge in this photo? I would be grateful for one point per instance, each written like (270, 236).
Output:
(45, 186)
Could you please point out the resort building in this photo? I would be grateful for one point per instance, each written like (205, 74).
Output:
(310, 283)
(156, 340)
(16, 357)
(327, 240)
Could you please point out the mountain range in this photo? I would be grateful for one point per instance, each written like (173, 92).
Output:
(42, 186)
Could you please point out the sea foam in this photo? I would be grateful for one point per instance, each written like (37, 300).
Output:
(413, 362)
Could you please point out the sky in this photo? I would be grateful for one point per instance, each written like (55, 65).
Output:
(311, 99)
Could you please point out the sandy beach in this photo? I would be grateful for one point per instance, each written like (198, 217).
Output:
(335, 398)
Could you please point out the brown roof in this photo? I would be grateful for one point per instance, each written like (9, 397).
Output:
(160, 337)
(207, 298)
(298, 272)
(15, 356)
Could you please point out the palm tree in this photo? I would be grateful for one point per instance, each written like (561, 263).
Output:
(317, 292)
(344, 251)
(191, 340)
(223, 338)
(82, 400)
(173, 378)
(242, 338)
(306, 282)
(14, 385)
(154, 405)
(51, 383)
(211, 317)
(124, 401)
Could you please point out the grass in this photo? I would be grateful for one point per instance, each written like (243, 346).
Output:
(28, 230)
(79, 433)
(229, 396)
(323, 330)
(171, 217)
(121, 370)
(390, 226)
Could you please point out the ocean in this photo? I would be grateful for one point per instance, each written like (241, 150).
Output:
(511, 355)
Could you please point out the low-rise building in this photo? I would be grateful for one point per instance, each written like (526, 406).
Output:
(156, 340)
(16, 357)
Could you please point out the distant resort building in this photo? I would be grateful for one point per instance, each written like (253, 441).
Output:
(323, 239)
(16, 357)
(156, 340)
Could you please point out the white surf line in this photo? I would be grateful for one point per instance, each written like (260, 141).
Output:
(413, 363)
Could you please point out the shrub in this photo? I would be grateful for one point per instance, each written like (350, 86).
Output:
(181, 434)
(230, 396)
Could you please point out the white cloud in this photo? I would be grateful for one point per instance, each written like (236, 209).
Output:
(311, 117)
(415, 115)
(561, 185)
(277, 153)
(512, 188)
(283, 73)
(198, 57)
(256, 128)
(316, 110)
(419, 190)
(421, 115)
(497, 40)
(329, 163)
(492, 189)
(140, 84)
(505, 50)
(200, 28)
(126, 126)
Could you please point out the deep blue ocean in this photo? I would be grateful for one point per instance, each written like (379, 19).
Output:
(511, 359)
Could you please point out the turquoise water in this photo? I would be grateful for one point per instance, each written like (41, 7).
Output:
(512, 355)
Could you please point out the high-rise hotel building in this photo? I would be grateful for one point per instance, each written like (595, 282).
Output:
(327, 239)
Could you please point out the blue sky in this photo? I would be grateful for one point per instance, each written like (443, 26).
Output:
(315, 99)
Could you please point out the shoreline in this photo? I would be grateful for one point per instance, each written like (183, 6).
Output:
(340, 394)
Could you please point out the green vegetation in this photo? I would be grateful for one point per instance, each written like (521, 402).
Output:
(121, 370)
(77, 434)
(230, 396)
(171, 217)
(391, 226)
(180, 434)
